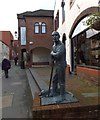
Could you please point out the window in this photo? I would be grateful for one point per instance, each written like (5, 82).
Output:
(63, 11)
(93, 53)
(12, 43)
(43, 28)
(87, 50)
(57, 21)
(40, 27)
(71, 3)
(23, 35)
(36, 27)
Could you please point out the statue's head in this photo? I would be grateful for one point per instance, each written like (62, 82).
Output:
(55, 33)
(55, 36)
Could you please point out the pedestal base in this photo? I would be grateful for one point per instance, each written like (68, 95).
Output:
(67, 98)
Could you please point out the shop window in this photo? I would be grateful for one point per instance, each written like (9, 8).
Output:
(36, 27)
(43, 27)
(95, 50)
(87, 50)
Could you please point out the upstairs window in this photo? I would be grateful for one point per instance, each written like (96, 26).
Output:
(57, 21)
(63, 11)
(71, 3)
(36, 27)
(43, 27)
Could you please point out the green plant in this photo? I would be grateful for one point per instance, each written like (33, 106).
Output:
(93, 21)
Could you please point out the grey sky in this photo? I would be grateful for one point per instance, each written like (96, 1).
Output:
(10, 8)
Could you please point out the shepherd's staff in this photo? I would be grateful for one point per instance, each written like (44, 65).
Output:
(51, 78)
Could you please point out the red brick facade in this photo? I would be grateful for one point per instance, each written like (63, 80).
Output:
(73, 111)
(43, 40)
(7, 37)
(34, 40)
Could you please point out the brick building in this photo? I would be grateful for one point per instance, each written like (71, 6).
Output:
(15, 48)
(35, 40)
(6, 39)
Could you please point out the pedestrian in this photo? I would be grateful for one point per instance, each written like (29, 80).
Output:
(6, 65)
(58, 56)
(15, 60)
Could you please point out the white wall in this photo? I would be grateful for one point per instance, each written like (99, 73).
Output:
(40, 55)
(5, 50)
(70, 16)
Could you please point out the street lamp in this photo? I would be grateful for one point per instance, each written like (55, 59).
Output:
(15, 34)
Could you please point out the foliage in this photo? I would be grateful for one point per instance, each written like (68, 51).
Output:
(92, 19)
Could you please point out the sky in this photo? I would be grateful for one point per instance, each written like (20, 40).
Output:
(10, 8)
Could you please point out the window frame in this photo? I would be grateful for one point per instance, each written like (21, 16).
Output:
(36, 28)
(43, 28)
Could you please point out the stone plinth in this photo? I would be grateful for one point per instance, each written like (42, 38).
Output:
(63, 111)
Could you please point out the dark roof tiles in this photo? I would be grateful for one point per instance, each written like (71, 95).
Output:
(37, 13)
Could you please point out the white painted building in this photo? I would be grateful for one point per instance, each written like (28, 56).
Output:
(69, 16)
(4, 49)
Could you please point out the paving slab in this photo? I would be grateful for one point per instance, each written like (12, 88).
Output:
(68, 98)
(7, 101)
(42, 84)
(96, 94)
(16, 95)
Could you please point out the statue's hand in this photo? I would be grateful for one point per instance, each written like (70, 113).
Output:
(53, 53)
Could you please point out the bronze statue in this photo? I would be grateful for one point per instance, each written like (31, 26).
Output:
(58, 56)
(57, 94)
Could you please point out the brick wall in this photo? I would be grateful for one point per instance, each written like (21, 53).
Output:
(64, 111)
(89, 74)
(68, 69)
(7, 37)
(39, 40)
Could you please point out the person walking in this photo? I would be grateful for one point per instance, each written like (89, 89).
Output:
(15, 60)
(6, 65)
(58, 56)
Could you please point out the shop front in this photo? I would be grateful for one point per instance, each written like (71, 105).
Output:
(85, 52)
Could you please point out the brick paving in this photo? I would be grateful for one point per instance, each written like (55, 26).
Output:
(77, 86)
(84, 90)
